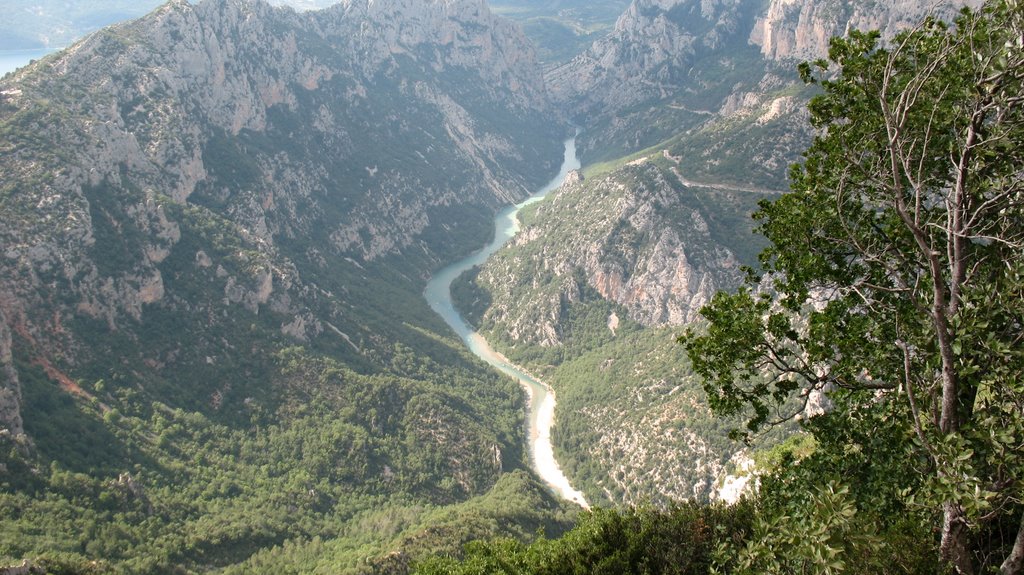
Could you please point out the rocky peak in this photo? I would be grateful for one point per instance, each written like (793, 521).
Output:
(442, 34)
(176, 154)
(652, 42)
(801, 29)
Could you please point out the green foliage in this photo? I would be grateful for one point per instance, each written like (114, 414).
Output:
(645, 541)
(637, 386)
(841, 506)
(794, 448)
(818, 537)
(882, 289)
(359, 461)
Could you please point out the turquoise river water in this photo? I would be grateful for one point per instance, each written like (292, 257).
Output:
(541, 414)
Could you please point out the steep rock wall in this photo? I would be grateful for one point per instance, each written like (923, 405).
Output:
(801, 29)
(229, 157)
(640, 238)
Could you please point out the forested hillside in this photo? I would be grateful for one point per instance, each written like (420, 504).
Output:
(891, 288)
(217, 222)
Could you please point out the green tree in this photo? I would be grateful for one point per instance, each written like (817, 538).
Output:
(676, 541)
(895, 274)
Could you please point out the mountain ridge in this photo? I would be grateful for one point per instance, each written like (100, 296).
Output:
(218, 221)
(681, 92)
(672, 67)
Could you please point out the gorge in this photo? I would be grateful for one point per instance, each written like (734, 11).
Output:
(232, 335)
(541, 403)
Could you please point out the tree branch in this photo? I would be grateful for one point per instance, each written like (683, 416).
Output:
(1014, 563)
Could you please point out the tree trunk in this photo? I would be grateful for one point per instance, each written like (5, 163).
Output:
(1013, 563)
(954, 548)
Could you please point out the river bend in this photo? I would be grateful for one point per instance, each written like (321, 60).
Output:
(541, 416)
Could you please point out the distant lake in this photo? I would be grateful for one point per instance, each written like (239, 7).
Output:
(11, 60)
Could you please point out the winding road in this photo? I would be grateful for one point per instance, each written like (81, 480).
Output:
(541, 416)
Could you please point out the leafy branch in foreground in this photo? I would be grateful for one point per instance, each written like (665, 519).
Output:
(895, 277)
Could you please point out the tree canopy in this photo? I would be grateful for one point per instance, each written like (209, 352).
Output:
(894, 282)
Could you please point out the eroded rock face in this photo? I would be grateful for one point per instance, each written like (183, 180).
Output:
(634, 237)
(648, 53)
(674, 68)
(655, 43)
(163, 163)
(801, 29)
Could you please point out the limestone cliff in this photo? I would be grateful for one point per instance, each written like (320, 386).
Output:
(641, 238)
(801, 29)
(228, 159)
(674, 67)
(650, 53)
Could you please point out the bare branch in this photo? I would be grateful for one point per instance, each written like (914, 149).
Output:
(908, 382)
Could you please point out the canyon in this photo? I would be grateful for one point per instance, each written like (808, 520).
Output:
(218, 221)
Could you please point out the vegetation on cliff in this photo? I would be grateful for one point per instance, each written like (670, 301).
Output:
(216, 226)
(894, 278)
(892, 285)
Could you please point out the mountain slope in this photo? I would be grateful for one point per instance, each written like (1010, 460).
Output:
(674, 67)
(297, 151)
(217, 221)
(698, 109)
(54, 24)
(561, 29)
(639, 237)
(588, 295)
(664, 69)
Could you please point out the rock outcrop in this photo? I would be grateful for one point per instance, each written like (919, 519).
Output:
(650, 52)
(640, 238)
(231, 157)
(676, 67)
(801, 29)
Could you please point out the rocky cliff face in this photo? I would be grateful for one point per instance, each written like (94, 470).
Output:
(649, 53)
(801, 29)
(641, 238)
(230, 158)
(445, 34)
(674, 67)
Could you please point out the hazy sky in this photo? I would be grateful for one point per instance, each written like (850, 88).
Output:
(34, 24)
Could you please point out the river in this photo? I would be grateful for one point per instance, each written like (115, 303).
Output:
(541, 416)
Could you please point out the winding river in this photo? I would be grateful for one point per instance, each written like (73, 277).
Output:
(541, 414)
